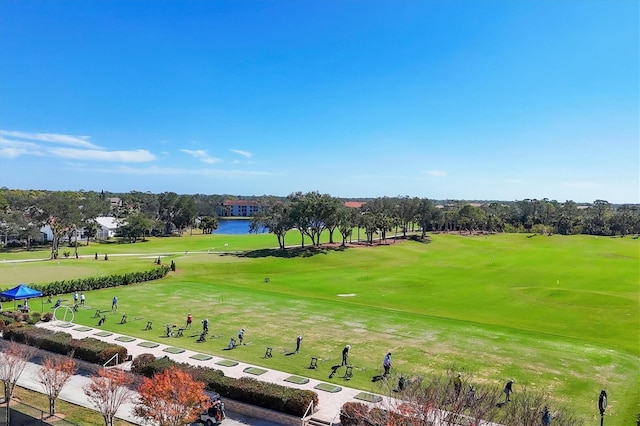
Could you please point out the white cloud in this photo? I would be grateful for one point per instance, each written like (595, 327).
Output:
(135, 156)
(172, 171)
(202, 155)
(79, 141)
(245, 154)
(12, 152)
(436, 173)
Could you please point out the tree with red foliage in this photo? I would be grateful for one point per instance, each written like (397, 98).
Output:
(171, 398)
(107, 391)
(13, 361)
(53, 375)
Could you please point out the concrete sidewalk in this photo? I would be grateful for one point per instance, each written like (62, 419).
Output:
(329, 405)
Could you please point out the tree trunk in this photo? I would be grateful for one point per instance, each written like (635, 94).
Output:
(52, 406)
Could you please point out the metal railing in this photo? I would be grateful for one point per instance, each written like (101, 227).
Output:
(309, 410)
(111, 359)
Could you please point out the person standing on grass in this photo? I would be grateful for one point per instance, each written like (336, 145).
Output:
(75, 298)
(114, 303)
(81, 299)
(345, 355)
(189, 321)
(298, 341)
(546, 416)
(205, 326)
(386, 364)
(240, 336)
(457, 384)
(508, 390)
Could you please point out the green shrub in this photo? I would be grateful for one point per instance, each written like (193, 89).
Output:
(48, 316)
(141, 361)
(95, 283)
(34, 318)
(87, 349)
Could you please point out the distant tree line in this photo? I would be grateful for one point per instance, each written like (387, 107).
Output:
(24, 212)
(312, 213)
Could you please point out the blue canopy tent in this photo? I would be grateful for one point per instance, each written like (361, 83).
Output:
(20, 292)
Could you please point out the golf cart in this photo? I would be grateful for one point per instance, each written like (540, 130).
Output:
(214, 415)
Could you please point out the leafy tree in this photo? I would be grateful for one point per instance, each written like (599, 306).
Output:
(470, 218)
(346, 219)
(53, 376)
(598, 216)
(107, 391)
(569, 219)
(425, 214)
(12, 363)
(274, 215)
(186, 212)
(406, 211)
(62, 212)
(625, 220)
(311, 212)
(136, 226)
(208, 224)
(171, 398)
(167, 209)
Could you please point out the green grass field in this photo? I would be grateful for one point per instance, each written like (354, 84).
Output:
(557, 314)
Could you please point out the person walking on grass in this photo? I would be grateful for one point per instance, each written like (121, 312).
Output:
(386, 364)
(114, 303)
(240, 336)
(75, 298)
(189, 321)
(508, 390)
(298, 341)
(457, 384)
(82, 299)
(345, 355)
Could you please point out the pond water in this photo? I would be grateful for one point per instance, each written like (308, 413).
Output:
(233, 226)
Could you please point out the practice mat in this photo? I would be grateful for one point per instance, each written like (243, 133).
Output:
(103, 334)
(297, 380)
(201, 357)
(254, 370)
(83, 329)
(369, 397)
(148, 344)
(174, 350)
(65, 325)
(125, 339)
(227, 363)
(327, 387)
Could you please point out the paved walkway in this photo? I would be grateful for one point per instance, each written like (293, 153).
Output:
(73, 393)
(329, 402)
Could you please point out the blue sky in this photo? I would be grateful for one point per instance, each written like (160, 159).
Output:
(442, 99)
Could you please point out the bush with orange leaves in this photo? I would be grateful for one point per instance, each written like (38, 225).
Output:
(171, 398)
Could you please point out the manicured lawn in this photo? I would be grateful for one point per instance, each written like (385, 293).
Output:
(557, 314)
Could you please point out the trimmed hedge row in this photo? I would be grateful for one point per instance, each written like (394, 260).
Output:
(95, 283)
(246, 389)
(87, 349)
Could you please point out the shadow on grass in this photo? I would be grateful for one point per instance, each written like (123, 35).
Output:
(289, 252)
(418, 239)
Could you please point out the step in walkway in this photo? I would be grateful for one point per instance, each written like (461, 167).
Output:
(330, 397)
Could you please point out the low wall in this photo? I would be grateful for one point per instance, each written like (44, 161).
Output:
(261, 413)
